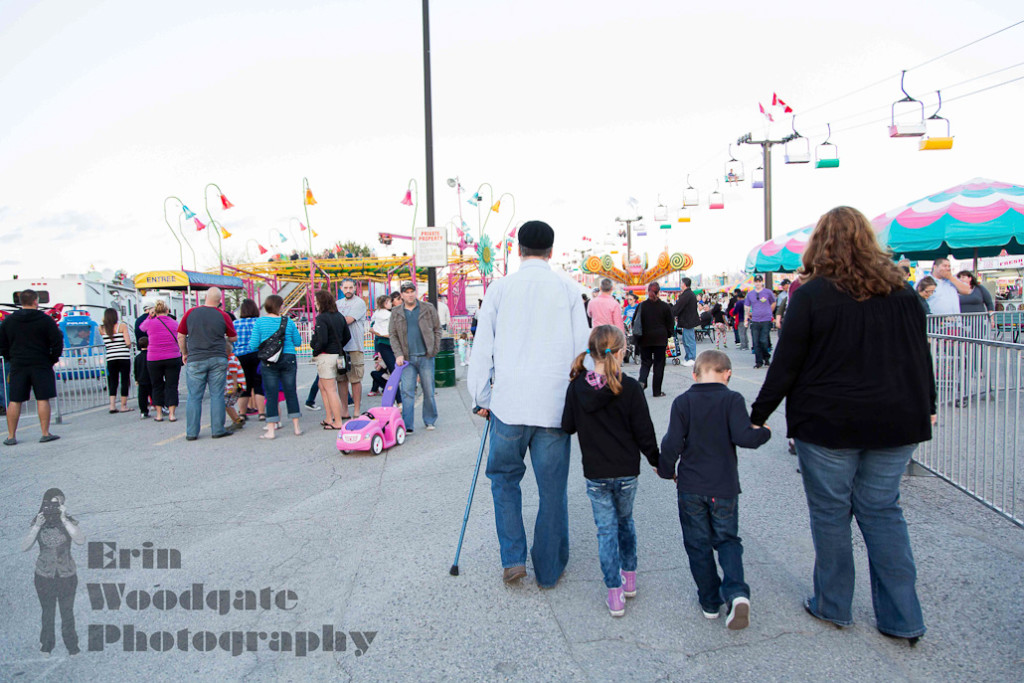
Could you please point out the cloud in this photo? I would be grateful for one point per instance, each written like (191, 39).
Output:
(10, 262)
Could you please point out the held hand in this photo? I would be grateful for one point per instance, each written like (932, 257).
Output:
(484, 413)
(746, 323)
(399, 360)
(63, 514)
(935, 420)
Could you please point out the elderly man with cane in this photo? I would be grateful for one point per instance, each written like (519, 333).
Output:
(531, 326)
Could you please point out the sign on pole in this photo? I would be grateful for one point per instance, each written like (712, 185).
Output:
(431, 248)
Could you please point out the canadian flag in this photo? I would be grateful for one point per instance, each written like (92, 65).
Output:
(777, 102)
(764, 113)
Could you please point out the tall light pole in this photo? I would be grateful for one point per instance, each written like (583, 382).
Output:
(766, 152)
(429, 135)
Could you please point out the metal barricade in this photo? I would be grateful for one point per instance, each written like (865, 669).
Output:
(304, 353)
(998, 326)
(82, 380)
(977, 445)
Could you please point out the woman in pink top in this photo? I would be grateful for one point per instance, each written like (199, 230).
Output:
(164, 359)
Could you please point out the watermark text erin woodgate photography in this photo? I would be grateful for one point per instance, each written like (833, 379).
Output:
(118, 597)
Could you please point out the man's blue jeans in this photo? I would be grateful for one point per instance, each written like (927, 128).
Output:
(281, 374)
(424, 367)
(612, 501)
(689, 343)
(760, 332)
(861, 483)
(200, 374)
(711, 524)
(506, 465)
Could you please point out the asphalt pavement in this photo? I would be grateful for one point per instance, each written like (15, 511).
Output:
(288, 544)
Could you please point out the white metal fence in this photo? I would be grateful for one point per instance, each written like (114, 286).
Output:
(998, 326)
(978, 444)
(81, 375)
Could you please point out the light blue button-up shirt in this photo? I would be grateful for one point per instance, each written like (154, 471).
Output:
(946, 298)
(530, 328)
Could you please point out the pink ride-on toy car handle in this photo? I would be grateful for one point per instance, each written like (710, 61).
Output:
(391, 388)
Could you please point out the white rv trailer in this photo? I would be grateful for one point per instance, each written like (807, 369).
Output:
(86, 292)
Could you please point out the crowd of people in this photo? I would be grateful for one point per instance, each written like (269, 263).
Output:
(247, 364)
(853, 445)
(857, 402)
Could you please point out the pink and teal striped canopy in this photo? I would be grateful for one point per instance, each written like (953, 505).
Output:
(978, 218)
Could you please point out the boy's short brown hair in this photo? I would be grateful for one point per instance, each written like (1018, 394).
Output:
(715, 361)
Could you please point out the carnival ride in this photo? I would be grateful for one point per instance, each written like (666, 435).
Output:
(635, 273)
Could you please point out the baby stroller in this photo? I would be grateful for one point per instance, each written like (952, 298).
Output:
(673, 352)
(631, 351)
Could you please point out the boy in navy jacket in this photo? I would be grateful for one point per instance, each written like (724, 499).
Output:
(705, 426)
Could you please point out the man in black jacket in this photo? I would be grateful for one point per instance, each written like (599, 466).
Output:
(687, 320)
(31, 343)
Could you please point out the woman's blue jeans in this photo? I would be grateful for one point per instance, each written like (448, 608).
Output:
(861, 483)
(281, 374)
(612, 502)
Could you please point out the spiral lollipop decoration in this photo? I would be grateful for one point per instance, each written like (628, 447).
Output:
(663, 260)
(606, 262)
(677, 261)
(592, 264)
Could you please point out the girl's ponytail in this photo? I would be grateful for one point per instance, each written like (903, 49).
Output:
(613, 371)
(577, 367)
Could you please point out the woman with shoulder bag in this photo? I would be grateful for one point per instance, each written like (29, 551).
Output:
(329, 338)
(276, 338)
(163, 359)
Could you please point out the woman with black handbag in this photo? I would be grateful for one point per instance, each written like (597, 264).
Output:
(276, 339)
(330, 335)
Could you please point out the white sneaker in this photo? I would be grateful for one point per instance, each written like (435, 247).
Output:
(739, 614)
(430, 428)
(689, 363)
(710, 615)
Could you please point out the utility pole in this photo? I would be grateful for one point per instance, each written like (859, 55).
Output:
(629, 235)
(431, 272)
(766, 154)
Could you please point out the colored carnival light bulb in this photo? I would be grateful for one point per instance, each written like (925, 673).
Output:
(315, 234)
(225, 203)
(224, 233)
(407, 199)
(302, 227)
(283, 238)
(199, 224)
(475, 199)
(189, 214)
(497, 206)
(262, 250)
(309, 198)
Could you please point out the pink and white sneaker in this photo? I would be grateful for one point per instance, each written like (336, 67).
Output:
(616, 602)
(628, 584)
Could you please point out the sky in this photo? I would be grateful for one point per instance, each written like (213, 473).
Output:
(110, 107)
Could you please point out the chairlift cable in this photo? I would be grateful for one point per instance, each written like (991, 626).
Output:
(888, 78)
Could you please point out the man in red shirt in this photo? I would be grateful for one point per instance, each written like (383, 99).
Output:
(604, 309)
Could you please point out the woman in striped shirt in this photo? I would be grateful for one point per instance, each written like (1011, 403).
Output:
(118, 344)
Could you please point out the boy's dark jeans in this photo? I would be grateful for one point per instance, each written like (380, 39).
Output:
(145, 394)
(709, 525)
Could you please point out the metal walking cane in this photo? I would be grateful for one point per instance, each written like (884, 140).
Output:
(454, 571)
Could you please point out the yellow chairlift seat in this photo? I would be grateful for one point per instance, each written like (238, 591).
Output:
(932, 142)
(684, 214)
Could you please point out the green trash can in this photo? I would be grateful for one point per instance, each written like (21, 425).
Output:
(444, 364)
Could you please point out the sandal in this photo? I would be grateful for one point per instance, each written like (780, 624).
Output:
(262, 418)
(331, 428)
(172, 419)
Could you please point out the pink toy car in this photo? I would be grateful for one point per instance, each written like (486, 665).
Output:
(377, 428)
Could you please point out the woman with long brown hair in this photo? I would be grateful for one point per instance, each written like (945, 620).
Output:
(329, 338)
(854, 366)
(118, 345)
(248, 313)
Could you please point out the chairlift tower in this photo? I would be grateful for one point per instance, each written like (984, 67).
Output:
(766, 153)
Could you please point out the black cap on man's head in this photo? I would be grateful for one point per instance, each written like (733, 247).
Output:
(406, 286)
(536, 235)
